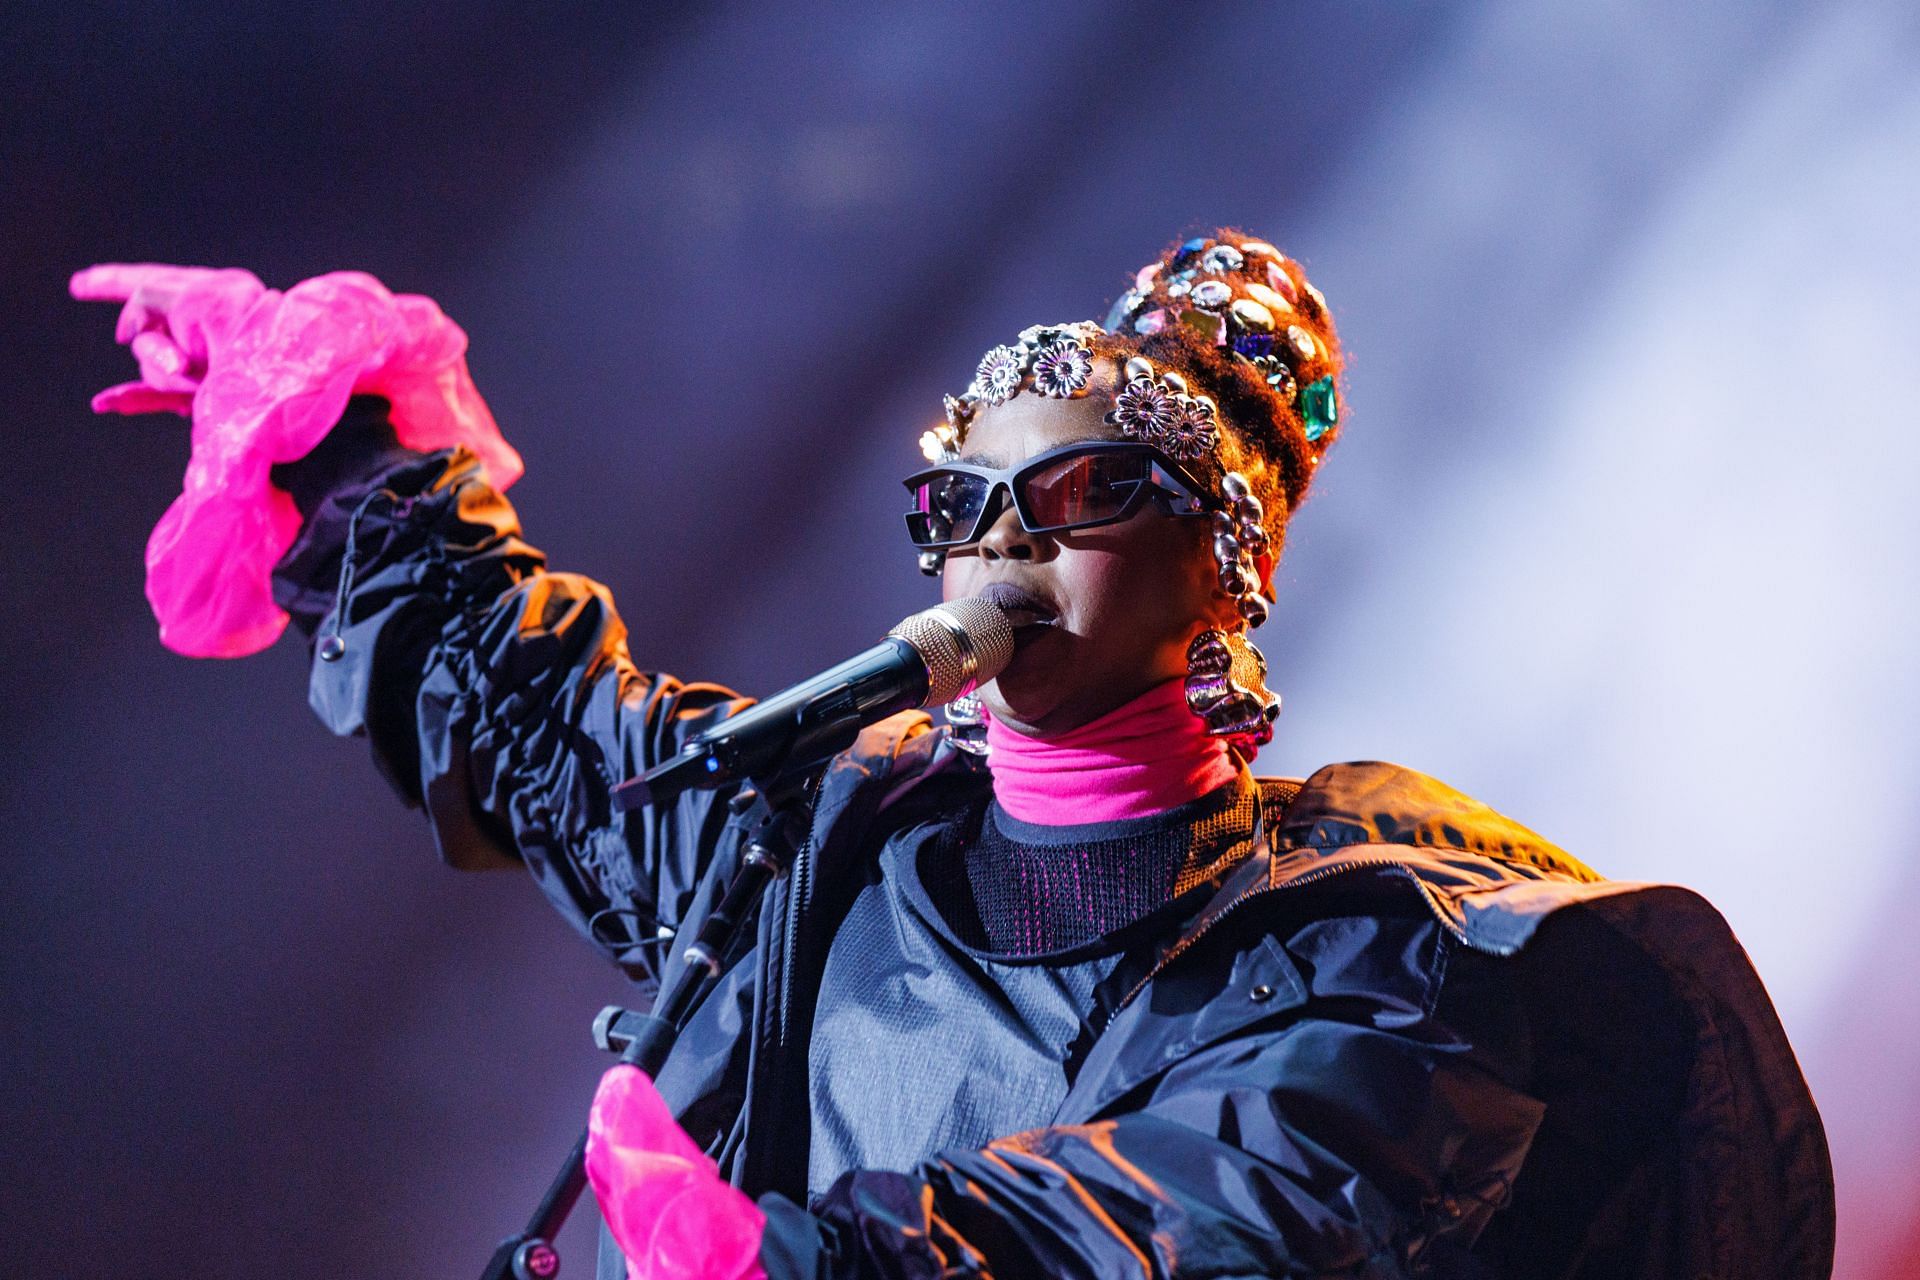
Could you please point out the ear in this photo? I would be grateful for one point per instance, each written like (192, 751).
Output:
(1263, 566)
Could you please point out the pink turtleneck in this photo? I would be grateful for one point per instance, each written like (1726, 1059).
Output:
(1142, 758)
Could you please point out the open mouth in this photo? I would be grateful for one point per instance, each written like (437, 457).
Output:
(1023, 609)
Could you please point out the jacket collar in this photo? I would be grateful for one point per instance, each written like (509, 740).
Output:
(1373, 803)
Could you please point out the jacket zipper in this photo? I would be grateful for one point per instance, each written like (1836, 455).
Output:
(798, 890)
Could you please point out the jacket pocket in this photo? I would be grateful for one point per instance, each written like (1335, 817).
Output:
(1177, 1014)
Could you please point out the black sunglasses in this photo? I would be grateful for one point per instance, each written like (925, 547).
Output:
(1076, 486)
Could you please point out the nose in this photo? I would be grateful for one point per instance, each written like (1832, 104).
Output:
(1006, 538)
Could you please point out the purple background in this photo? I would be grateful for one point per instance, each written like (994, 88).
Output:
(1620, 538)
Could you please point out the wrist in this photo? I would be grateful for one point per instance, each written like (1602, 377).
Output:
(361, 446)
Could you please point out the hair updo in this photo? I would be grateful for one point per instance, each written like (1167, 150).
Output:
(1277, 422)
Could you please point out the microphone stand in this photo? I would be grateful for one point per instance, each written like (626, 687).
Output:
(781, 810)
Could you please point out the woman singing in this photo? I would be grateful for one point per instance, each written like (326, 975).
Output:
(1060, 988)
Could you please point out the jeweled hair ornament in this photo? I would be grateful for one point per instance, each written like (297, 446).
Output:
(1240, 297)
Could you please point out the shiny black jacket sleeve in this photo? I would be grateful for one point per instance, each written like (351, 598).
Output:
(496, 694)
(1345, 1133)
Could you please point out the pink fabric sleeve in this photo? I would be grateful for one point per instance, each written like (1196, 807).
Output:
(264, 376)
(675, 1217)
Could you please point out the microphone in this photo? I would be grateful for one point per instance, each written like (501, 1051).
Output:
(930, 659)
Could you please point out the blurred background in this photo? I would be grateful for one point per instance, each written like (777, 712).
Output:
(1618, 538)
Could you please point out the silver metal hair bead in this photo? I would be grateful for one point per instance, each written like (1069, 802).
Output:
(1213, 293)
(931, 562)
(1226, 547)
(1220, 259)
(1139, 367)
(1175, 383)
(1234, 485)
(1254, 608)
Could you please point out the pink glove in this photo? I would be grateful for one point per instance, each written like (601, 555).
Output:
(265, 375)
(675, 1217)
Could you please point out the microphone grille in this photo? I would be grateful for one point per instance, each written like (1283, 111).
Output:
(964, 643)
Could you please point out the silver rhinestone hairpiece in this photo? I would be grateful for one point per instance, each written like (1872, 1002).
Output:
(1055, 360)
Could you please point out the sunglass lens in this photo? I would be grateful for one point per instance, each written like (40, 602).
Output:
(944, 504)
(1088, 488)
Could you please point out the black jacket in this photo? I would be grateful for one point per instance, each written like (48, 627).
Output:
(1406, 1037)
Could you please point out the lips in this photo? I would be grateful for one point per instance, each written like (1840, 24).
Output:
(1023, 608)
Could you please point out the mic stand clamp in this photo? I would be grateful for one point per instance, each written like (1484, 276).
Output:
(645, 1039)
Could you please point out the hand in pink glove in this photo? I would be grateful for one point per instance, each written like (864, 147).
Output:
(675, 1217)
(265, 375)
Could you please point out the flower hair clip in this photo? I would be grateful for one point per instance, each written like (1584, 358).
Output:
(1055, 360)
(1155, 407)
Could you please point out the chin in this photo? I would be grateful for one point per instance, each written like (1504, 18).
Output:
(1028, 692)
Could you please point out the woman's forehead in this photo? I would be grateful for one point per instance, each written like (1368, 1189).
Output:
(1003, 435)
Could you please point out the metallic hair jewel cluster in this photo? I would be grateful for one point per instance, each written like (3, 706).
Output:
(1239, 297)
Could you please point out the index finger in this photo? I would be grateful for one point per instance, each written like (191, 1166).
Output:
(116, 281)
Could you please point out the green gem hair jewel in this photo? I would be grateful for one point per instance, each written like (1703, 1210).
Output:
(1319, 408)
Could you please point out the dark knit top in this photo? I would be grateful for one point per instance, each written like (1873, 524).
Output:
(1024, 889)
